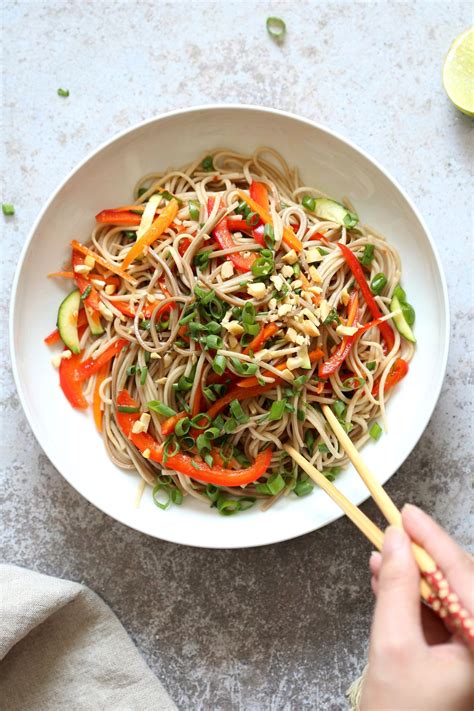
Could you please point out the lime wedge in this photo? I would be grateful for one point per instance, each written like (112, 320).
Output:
(458, 72)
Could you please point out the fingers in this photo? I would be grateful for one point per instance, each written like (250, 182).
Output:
(397, 611)
(456, 565)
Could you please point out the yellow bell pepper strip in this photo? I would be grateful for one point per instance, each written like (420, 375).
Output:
(191, 466)
(289, 236)
(103, 262)
(162, 222)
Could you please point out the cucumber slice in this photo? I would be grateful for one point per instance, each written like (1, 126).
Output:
(333, 211)
(400, 320)
(93, 319)
(67, 320)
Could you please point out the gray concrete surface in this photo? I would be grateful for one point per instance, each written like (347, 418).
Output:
(282, 627)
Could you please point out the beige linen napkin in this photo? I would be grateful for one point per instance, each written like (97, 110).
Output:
(62, 648)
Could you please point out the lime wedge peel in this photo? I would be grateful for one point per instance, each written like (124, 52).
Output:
(458, 72)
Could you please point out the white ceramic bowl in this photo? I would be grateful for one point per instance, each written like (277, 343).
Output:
(106, 178)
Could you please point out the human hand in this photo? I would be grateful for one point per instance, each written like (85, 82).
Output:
(415, 664)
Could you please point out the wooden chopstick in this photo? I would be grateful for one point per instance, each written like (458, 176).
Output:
(380, 496)
(363, 523)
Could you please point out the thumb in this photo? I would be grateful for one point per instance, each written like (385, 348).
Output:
(397, 617)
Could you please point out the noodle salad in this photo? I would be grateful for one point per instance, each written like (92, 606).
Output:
(213, 316)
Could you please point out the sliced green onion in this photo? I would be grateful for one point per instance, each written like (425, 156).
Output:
(262, 266)
(300, 381)
(309, 441)
(147, 356)
(248, 312)
(212, 492)
(127, 408)
(8, 209)
(322, 252)
(277, 410)
(273, 485)
(246, 502)
(244, 368)
(197, 421)
(252, 328)
(252, 219)
(332, 473)
(212, 342)
(183, 384)
(143, 375)
(219, 364)
(269, 236)
(304, 486)
(339, 408)
(194, 210)
(182, 427)
(203, 445)
(161, 490)
(242, 208)
(204, 295)
(142, 191)
(145, 324)
(353, 383)
(131, 370)
(188, 442)
(371, 365)
(296, 270)
(276, 28)
(332, 316)
(227, 507)
(160, 408)
(176, 497)
(201, 259)
(367, 255)
(378, 283)
(218, 422)
(230, 425)
(350, 219)
(375, 431)
(309, 202)
(208, 458)
(166, 449)
(63, 92)
(130, 235)
(239, 415)
(212, 433)
(86, 292)
(323, 447)
(207, 164)
(301, 415)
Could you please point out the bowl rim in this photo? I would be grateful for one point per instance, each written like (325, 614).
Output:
(190, 110)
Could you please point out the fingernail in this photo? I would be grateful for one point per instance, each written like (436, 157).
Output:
(373, 554)
(394, 540)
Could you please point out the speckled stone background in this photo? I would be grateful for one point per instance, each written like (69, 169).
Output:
(281, 627)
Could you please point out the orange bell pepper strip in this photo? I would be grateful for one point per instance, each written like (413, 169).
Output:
(168, 425)
(253, 382)
(96, 399)
(64, 275)
(191, 466)
(162, 222)
(118, 217)
(356, 268)
(334, 362)
(289, 236)
(103, 262)
(259, 193)
(265, 333)
(397, 372)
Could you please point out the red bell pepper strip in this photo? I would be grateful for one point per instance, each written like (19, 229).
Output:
(70, 384)
(397, 372)
(259, 193)
(118, 217)
(332, 364)
(240, 225)
(355, 267)
(191, 466)
(90, 366)
(225, 240)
